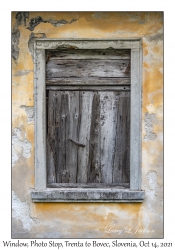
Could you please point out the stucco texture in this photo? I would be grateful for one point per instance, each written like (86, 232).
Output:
(87, 220)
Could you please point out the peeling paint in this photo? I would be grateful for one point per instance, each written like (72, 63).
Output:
(154, 190)
(56, 23)
(21, 211)
(15, 43)
(23, 143)
(30, 112)
(152, 179)
(21, 18)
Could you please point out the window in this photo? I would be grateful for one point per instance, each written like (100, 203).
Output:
(87, 120)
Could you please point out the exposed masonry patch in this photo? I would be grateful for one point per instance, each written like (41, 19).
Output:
(15, 43)
(29, 111)
(152, 181)
(21, 18)
(23, 143)
(21, 211)
(149, 120)
(32, 39)
(37, 20)
(22, 72)
(154, 191)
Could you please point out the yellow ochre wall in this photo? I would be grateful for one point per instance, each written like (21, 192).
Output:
(87, 220)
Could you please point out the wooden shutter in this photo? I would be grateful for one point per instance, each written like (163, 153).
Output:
(88, 118)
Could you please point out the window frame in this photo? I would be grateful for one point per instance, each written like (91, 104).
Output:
(118, 194)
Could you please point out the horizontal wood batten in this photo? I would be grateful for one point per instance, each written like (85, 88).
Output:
(90, 88)
(89, 185)
(99, 54)
(89, 195)
(87, 68)
(88, 81)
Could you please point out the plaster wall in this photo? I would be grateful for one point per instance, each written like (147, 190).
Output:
(86, 220)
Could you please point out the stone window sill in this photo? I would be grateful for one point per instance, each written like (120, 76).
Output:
(87, 195)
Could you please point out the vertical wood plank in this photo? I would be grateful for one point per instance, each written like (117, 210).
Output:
(122, 139)
(107, 120)
(74, 121)
(51, 173)
(63, 136)
(84, 135)
(94, 165)
(54, 104)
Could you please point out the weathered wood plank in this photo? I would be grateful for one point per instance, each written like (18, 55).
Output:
(51, 174)
(63, 135)
(89, 88)
(73, 133)
(84, 135)
(53, 123)
(122, 139)
(99, 54)
(87, 68)
(94, 164)
(90, 133)
(58, 125)
(88, 81)
(108, 130)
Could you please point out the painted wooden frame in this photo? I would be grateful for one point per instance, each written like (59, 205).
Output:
(116, 194)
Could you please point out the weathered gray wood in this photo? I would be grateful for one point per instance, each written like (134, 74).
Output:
(88, 54)
(94, 164)
(88, 81)
(87, 68)
(58, 124)
(88, 185)
(88, 195)
(51, 174)
(89, 133)
(74, 113)
(77, 143)
(53, 132)
(90, 88)
(84, 135)
(64, 131)
(121, 172)
(108, 131)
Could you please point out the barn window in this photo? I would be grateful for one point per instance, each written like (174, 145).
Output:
(87, 120)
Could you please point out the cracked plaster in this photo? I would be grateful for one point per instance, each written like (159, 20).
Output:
(21, 211)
